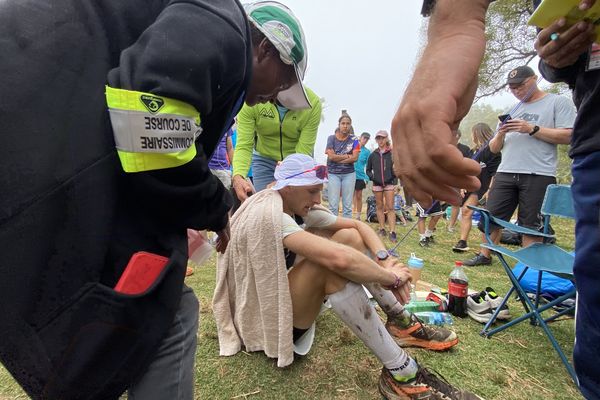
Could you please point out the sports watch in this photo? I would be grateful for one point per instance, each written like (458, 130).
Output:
(382, 255)
(534, 131)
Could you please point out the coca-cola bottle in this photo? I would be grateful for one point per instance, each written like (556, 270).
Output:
(458, 288)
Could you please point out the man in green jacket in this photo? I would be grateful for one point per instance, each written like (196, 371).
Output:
(267, 133)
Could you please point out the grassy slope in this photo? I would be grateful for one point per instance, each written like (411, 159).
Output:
(517, 364)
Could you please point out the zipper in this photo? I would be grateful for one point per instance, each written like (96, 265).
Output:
(382, 164)
(281, 132)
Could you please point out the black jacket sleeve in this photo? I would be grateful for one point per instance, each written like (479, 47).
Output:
(369, 168)
(195, 52)
(566, 75)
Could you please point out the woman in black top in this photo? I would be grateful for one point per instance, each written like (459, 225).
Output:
(482, 134)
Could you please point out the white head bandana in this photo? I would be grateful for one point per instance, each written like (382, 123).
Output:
(297, 170)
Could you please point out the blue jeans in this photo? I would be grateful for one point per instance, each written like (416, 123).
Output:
(263, 171)
(586, 198)
(171, 373)
(345, 182)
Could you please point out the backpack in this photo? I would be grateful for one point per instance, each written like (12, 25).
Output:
(371, 209)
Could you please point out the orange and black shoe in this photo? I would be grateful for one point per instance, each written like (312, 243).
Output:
(424, 386)
(412, 332)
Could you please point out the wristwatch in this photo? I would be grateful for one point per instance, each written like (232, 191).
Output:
(382, 255)
(534, 131)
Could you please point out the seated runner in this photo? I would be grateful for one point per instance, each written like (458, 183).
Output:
(287, 254)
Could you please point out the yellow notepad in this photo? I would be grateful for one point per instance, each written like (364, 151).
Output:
(551, 10)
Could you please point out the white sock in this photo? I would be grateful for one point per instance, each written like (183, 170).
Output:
(386, 300)
(422, 236)
(428, 233)
(352, 306)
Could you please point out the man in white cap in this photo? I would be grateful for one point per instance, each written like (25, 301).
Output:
(287, 254)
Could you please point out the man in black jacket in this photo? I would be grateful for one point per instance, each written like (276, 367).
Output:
(84, 189)
(572, 55)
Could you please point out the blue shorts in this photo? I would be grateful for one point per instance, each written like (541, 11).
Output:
(586, 198)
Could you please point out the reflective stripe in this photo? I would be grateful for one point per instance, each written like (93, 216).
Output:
(152, 132)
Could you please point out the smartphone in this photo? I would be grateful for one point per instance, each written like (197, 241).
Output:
(504, 117)
(141, 272)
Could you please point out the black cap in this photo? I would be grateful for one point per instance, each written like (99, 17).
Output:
(366, 134)
(519, 74)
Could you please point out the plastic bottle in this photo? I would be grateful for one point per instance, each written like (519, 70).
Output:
(415, 267)
(413, 294)
(435, 318)
(458, 288)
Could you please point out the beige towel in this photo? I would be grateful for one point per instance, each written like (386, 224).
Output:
(252, 303)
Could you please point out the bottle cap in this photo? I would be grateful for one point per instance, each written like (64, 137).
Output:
(458, 263)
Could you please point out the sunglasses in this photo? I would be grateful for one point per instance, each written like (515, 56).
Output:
(320, 171)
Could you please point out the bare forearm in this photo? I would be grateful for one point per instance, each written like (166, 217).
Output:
(456, 42)
(361, 269)
(497, 143)
(554, 135)
(338, 158)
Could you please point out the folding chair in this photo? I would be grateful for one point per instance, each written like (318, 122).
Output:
(542, 257)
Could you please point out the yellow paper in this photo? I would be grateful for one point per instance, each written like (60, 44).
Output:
(551, 10)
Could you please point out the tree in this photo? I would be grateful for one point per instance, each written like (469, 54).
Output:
(509, 44)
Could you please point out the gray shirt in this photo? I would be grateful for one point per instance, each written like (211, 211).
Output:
(524, 154)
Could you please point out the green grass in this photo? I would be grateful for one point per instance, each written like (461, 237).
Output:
(519, 363)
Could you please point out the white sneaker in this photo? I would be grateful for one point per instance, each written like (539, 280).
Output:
(478, 308)
(495, 300)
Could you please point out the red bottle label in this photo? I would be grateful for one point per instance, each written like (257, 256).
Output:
(457, 289)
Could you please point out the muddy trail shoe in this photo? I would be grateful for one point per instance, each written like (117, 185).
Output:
(425, 386)
(412, 332)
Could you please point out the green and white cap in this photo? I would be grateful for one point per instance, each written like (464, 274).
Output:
(282, 28)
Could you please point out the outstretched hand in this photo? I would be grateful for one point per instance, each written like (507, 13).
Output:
(425, 157)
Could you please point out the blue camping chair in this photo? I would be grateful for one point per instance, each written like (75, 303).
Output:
(542, 257)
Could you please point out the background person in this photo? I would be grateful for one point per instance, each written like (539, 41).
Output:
(220, 162)
(528, 144)
(342, 152)
(466, 152)
(325, 259)
(362, 178)
(488, 161)
(267, 133)
(380, 171)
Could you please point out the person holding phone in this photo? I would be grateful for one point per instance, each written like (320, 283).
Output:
(528, 143)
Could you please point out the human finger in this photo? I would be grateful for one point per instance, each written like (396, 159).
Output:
(434, 182)
(562, 48)
(441, 185)
(586, 4)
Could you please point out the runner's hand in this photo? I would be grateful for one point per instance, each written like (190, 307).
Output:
(402, 293)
